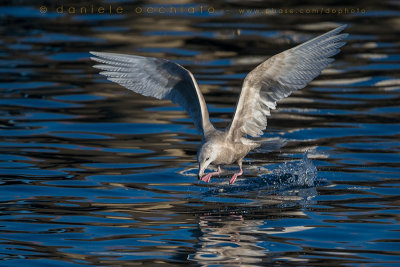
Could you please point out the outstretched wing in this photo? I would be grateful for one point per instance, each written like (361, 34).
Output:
(279, 76)
(157, 78)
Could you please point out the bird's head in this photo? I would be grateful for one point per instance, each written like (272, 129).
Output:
(205, 157)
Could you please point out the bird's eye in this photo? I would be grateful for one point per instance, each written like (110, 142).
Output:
(207, 159)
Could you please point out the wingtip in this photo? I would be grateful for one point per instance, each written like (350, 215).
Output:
(345, 35)
(94, 53)
(340, 28)
(95, 56)
(100, 54)
(96, 59)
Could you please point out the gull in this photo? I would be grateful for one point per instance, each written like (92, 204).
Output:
(271, 81)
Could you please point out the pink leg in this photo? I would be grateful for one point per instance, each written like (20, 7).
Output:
(206, 178)
(233, 179)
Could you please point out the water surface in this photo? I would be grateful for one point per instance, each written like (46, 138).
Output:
(92, 174)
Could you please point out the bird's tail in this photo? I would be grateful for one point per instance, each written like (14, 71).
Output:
(271, 144)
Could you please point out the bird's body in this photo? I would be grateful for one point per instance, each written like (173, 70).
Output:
(229, 152)
(225, 150)
(271, 81)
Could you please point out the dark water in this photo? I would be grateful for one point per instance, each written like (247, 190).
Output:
(92, 174)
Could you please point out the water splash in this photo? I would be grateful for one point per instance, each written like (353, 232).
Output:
(289, 178)
(291, 183)
(302, 173)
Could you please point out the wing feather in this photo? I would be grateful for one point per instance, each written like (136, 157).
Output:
(279, 76)
(157, 78)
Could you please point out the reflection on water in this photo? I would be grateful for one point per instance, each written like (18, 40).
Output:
(92, 174)
(234, 240)
(232, 235)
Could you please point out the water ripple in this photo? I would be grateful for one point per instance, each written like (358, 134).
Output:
(94, 175)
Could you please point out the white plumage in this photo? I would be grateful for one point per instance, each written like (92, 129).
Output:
(271, 81)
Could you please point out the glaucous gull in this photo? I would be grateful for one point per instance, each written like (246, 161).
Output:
(271, 81)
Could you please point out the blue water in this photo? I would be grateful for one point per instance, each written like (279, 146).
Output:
(95, 175)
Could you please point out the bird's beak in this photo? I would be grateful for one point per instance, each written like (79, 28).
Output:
(201, 171)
